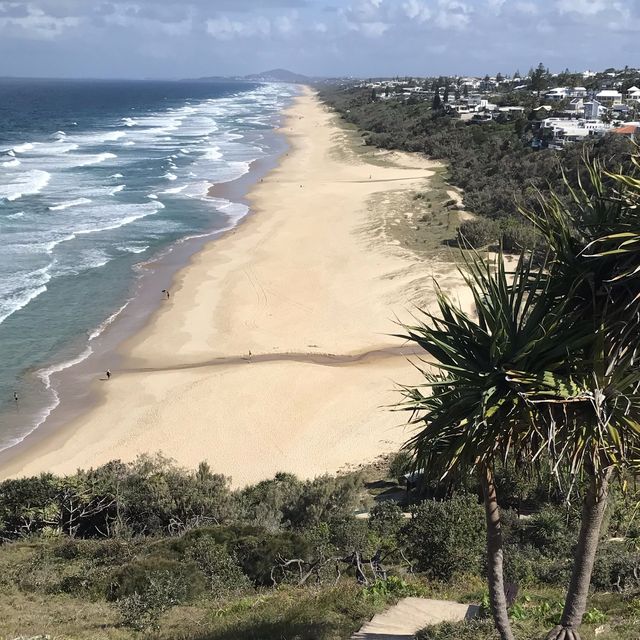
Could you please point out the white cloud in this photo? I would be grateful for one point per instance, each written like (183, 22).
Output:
(584, 7)
(528, 8)
(224, 28)
(453, 14)
(416, 10)
(496, 6)
(34, 23)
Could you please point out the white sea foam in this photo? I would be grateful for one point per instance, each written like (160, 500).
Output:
(11, 152)
(175, 190)
(117, 175)
(99, 330)
(70, 203)
(11, 163)
(22, 289)
(96, 159)
(13, 216)
(152, 196)
(21, 148)
(133, 248)
(26, 183)
(116, 189)
(129, 122)
(170, 176)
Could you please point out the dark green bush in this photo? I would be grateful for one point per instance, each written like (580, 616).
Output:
(446, 538)
(142, 574)
(617, 567)
(142, 609)
(517, 235)
(257, 551)
(472, 630)
(478, 233)
(221, 569)
(548, 531)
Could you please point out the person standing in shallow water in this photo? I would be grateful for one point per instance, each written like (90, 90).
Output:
(108, 374)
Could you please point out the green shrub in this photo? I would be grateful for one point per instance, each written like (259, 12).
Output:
(221, 569)
(386, 519)
(548, 531)
(399, 464)
(391, 588)
(471, 630)
(142, 610)
(446, 538)
(616, 568)
(478, 233)
(137, 576)
(257, 551)
(517, 235)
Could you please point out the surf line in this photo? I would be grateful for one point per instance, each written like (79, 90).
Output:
(323, 359)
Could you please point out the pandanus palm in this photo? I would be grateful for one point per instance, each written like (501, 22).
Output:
(594, 429)
(549, 367)
(469, 412)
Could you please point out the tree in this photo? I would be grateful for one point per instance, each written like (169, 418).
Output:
(538, 80)
(594, 423)
(550, 365)
(436, 103)
(469, 413)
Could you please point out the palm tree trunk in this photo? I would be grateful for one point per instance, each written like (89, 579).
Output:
(495, 555)
(593, 508)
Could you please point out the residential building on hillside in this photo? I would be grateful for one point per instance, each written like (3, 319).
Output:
(609, 97)
(593, 109)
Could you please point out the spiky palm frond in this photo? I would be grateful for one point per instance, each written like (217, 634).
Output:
(471, 411)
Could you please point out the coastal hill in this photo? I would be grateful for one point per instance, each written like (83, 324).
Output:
(274, 75)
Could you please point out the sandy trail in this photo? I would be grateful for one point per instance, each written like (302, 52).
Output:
(315, 301)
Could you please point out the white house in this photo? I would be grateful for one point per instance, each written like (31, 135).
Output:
(557, 94)
(576, 105)
(578, 92)
(633, 94)
(593, 110)
(609, 97)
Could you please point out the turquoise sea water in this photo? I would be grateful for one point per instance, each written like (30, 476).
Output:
(96, 178)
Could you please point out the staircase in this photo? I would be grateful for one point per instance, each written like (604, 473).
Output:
(402, 621)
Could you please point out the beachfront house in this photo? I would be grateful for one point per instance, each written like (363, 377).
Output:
(609, 97)
(633, 95)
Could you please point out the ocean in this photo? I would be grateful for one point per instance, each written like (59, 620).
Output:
(96, 179)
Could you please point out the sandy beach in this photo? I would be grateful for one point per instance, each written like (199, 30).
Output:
(304, 287)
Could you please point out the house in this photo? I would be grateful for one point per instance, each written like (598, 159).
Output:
(577, 92)
(633, 94)
(557, 94)
(593, 109)
(631, 130)
(609, 97)
(576, 105)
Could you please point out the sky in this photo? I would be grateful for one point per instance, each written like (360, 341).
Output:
(194, 38)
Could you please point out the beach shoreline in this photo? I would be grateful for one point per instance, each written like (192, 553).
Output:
(297, 286)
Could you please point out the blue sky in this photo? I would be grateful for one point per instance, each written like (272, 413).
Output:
(190, 38)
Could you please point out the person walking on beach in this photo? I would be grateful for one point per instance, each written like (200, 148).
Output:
(249, 358)
(166, 292)
(108, 374)
(15, 397)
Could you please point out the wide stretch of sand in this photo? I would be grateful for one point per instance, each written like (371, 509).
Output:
(300, 276)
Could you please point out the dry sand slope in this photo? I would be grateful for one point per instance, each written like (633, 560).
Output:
(299, 276)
